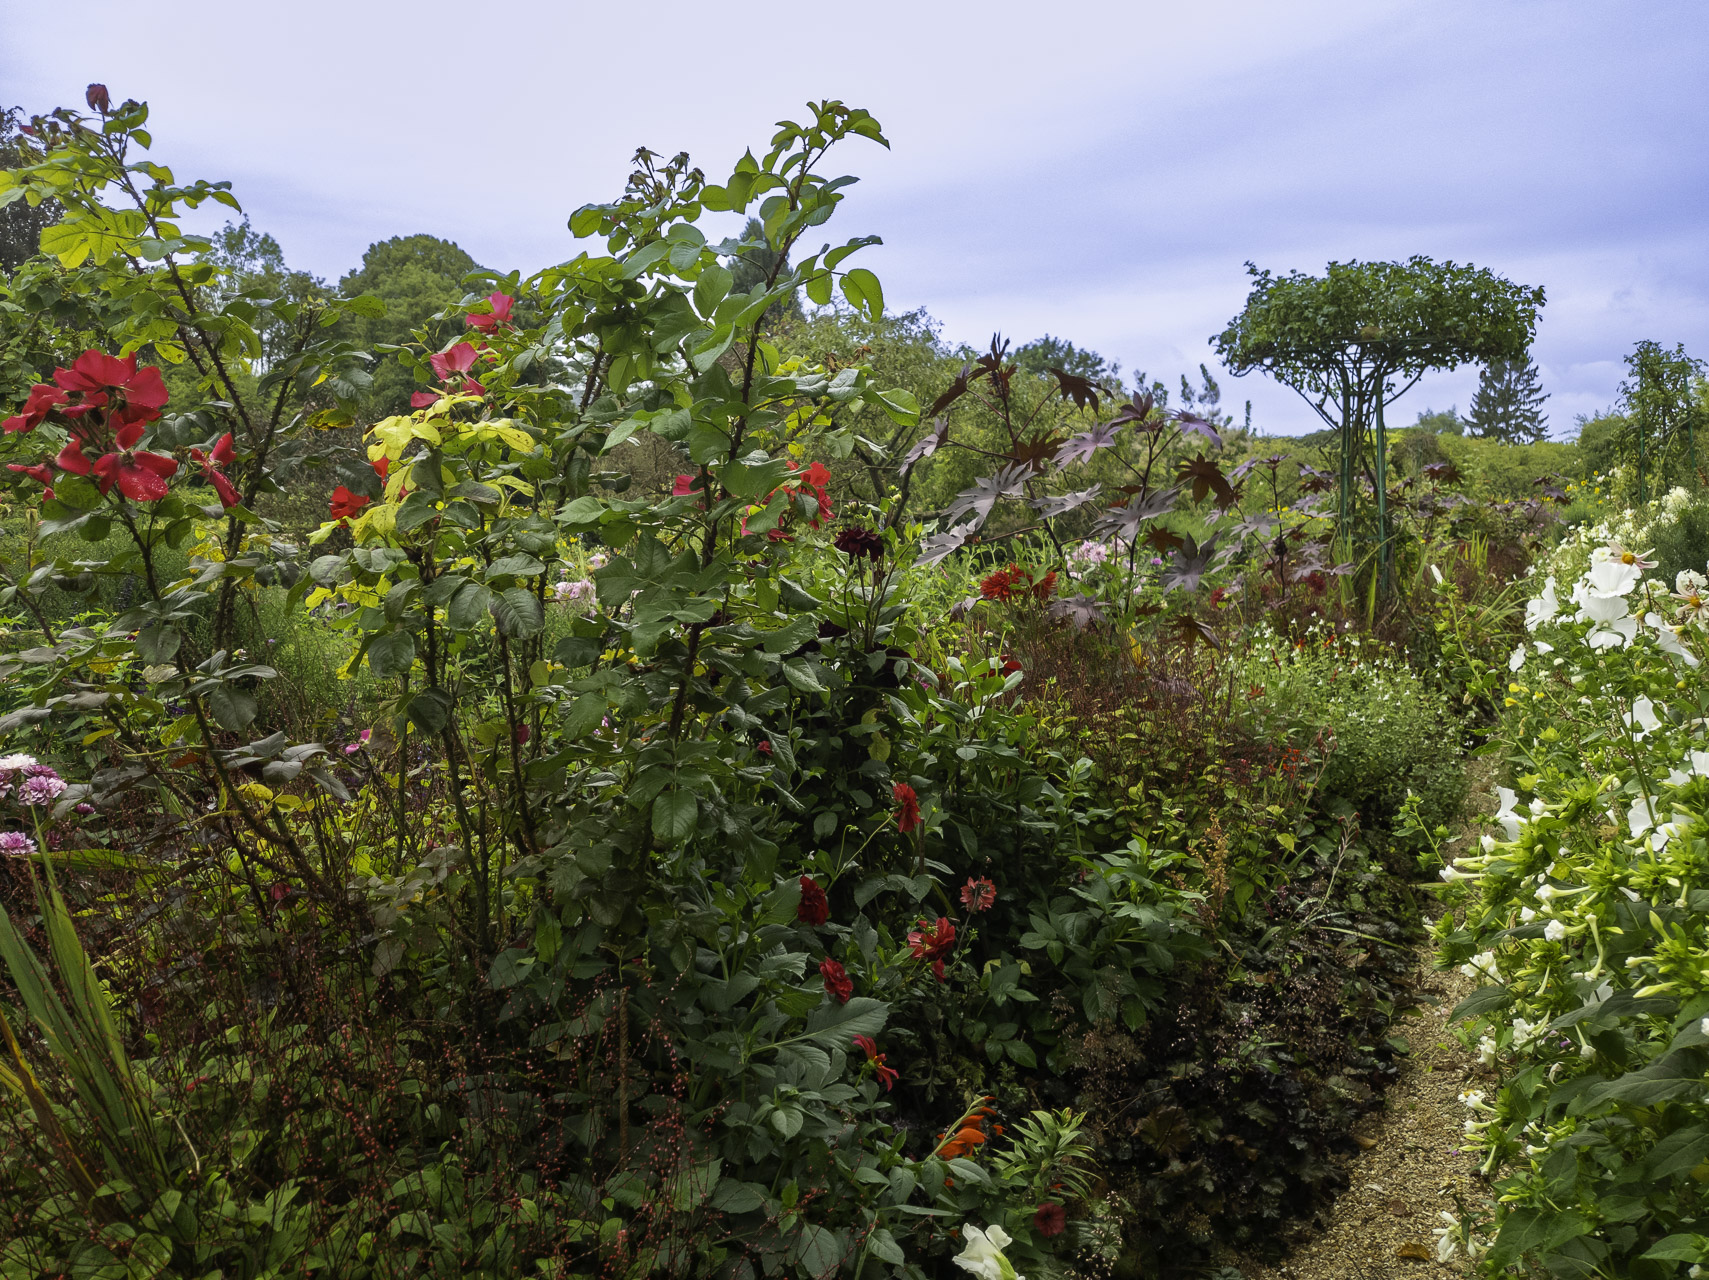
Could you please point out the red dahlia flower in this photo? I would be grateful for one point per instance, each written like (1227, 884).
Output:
(978, 895)
(813, 908)
(932, 942)
(908, 816)
(1000, 586)
(838, 985)
(501, 306)
(213, 469)
(1050, 1219)
(346, 504)
(887, 1076)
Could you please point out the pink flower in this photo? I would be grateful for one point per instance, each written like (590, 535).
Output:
(459, 359)
(361, 741)
(424, 399)
(501, 307)
(15, 844)
(978, 895)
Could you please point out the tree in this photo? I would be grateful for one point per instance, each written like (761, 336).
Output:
(416, 277)
(1663, 412)
(1041, 355)
(1352, 340)
(1508, 405)
(1441, 424)
(753, 265)
(21, 223)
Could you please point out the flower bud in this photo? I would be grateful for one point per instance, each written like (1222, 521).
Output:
(96, 96)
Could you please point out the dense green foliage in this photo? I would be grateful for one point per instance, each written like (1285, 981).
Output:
(661, 767)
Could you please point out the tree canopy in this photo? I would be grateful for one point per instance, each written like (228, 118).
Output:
(416, 277)
(1363, 333)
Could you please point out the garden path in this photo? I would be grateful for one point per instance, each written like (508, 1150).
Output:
(1409, 1168)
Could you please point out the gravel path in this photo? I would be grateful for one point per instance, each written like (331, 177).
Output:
(1409, 1169)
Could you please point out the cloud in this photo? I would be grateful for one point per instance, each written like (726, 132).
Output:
(1100, 171)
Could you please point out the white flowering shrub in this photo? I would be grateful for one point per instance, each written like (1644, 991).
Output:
(1586, 916)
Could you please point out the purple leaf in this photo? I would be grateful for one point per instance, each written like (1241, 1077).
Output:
(1079, 448)
(1080, 611)
(1125, 521)
(939, 545)
(927, 444)
(1050, 508)
(985, 492)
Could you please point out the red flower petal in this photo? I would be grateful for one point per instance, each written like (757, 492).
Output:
(141, 478)
(71, 458)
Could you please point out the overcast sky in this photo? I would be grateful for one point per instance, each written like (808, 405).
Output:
(1099, 171)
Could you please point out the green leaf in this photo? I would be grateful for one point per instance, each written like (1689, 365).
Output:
(232, 709)
(882, 1245)
(732, 1196)
(1532, 1231)
(429, 710)
(468, 607)
(517, 613)
(1679, 1248)
(711, 288)
(864, 293)
(674, 815)
(818, 1251)
(521, 566)
(157, 642)
(1481, 1001)
(391, 654)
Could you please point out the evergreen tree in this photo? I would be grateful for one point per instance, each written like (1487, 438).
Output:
(1508, 405)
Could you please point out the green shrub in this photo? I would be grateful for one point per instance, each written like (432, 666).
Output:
(1388, 732)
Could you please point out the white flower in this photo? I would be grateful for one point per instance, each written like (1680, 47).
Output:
(1688, 582)
(1447, 1239)
(1543, 646)
(1526, 915)
(1555, 931)
(1486, 1051)
(1505, 816)
(1487, 842)
(1543, 608)
(1640, 817)
(12, 763)
(1668, 639)
(1481, 965)
(1516, 659)
(1524, 1030)
(1704, 1026)
(1538, 807)
(1642, 719)
(1473, 1098)
(1616, 575)
(983, 1255)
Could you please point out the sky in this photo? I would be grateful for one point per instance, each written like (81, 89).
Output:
(1098, 171)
